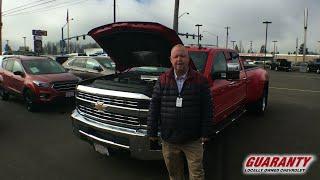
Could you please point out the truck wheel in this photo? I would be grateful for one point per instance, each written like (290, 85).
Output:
(29, 100)
(259, 107)
(4, 94)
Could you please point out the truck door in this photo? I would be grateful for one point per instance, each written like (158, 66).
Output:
(238, 86)
(221, 91)
(7, 73)
(17, 80)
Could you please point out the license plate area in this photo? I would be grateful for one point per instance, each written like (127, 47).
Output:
(70, 94)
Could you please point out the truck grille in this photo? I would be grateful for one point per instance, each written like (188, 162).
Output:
(65, 85)
(109, 100)
(108, 117)
(120, 111)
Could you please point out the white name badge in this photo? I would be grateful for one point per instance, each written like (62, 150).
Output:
(179, 102)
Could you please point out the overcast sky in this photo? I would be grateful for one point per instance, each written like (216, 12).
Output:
(245, 18)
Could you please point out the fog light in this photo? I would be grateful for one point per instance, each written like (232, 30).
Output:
(44, 96)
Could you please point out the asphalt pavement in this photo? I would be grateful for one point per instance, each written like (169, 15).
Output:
(42, 146)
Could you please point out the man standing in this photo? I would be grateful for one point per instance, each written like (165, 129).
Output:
(181, 107)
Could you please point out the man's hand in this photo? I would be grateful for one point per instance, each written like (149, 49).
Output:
(204, 140)
(153, 138)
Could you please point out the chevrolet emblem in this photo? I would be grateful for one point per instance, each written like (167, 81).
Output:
(100, 106)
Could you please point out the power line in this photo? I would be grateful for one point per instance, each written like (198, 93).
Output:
(18, 10)
(27, 4)
(50, 7)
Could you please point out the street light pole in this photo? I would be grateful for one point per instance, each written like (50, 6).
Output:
(24, 43)
(198, 25)
(297, 42)
(179, 18)
(265, 44)
(62, 37)
(175, 16)
(274, 47)
(183, 14)
(114, 11)
(305, 33)
(68, 26)
(233, 44)
(228, 27)
(62, 42)
(68, 34)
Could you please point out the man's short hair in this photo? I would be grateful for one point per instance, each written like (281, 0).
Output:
(180, 46)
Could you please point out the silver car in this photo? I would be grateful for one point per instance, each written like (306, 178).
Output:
(87, 67)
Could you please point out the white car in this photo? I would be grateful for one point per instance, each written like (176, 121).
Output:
(2, 57)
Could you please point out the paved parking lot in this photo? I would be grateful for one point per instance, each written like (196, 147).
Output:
(41, 145)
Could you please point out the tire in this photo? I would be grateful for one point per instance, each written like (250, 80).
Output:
(4, 94)
(260, 106)
(29, 98)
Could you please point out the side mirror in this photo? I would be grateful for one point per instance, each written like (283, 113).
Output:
(97, 68)
(233, 71)
(235, 56)
(18, 73)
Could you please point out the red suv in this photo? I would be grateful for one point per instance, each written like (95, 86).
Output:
(37, 79)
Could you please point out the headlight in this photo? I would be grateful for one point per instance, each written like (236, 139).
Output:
(41, 84)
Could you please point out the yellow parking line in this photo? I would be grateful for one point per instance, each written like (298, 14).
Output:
(302, 90)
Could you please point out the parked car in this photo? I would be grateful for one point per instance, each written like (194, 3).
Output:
(37, 79)
(111, 111)
(314, 66)
(281, 64)
(3, 57)
(87, 67)
(60, 58)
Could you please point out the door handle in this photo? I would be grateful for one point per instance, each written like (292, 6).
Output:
(232, 83)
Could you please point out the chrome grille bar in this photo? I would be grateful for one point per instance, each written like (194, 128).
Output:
(108, 100)
(108, 117)
(65, 85)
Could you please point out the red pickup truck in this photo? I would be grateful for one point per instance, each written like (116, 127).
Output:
(111, 111)
(37, 79)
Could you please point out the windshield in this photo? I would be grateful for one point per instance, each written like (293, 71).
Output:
(42, 66)
(149, 69)
(199, 59)
(107, 63)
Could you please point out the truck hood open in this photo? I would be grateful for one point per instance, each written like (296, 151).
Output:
(136, 44)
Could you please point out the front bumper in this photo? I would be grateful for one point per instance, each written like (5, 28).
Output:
(50, 95)
(135, 141)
